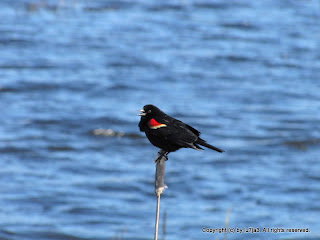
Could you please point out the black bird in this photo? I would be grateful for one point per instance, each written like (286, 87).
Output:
(168, 133)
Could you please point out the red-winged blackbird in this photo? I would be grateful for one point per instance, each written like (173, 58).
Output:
(168, 133)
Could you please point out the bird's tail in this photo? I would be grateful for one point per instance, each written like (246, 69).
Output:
(205, 144)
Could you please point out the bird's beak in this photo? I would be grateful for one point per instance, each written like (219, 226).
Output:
(143, 113)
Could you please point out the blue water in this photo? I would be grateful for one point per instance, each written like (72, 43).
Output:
(73, 164)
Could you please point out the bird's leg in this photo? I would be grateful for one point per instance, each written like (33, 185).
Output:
(166, 155)
(161, 154)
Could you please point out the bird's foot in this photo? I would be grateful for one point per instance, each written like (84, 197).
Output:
(160, 155)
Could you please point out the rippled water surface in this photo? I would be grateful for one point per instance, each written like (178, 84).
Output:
(73, 164)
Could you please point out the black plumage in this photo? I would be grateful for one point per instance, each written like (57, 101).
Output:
(168, 133)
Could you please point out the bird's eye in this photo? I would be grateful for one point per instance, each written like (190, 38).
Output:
(149, 111)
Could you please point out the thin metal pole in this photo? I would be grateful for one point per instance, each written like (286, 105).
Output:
(157, 218)
(159, 185)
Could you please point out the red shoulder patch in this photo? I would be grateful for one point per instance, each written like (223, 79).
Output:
(153, 124)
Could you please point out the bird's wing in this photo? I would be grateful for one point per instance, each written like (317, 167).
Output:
(177, 132)
(195, 131)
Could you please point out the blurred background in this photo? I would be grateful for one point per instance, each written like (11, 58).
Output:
(73, 164)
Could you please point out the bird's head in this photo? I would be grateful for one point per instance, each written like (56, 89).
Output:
(149, 111)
